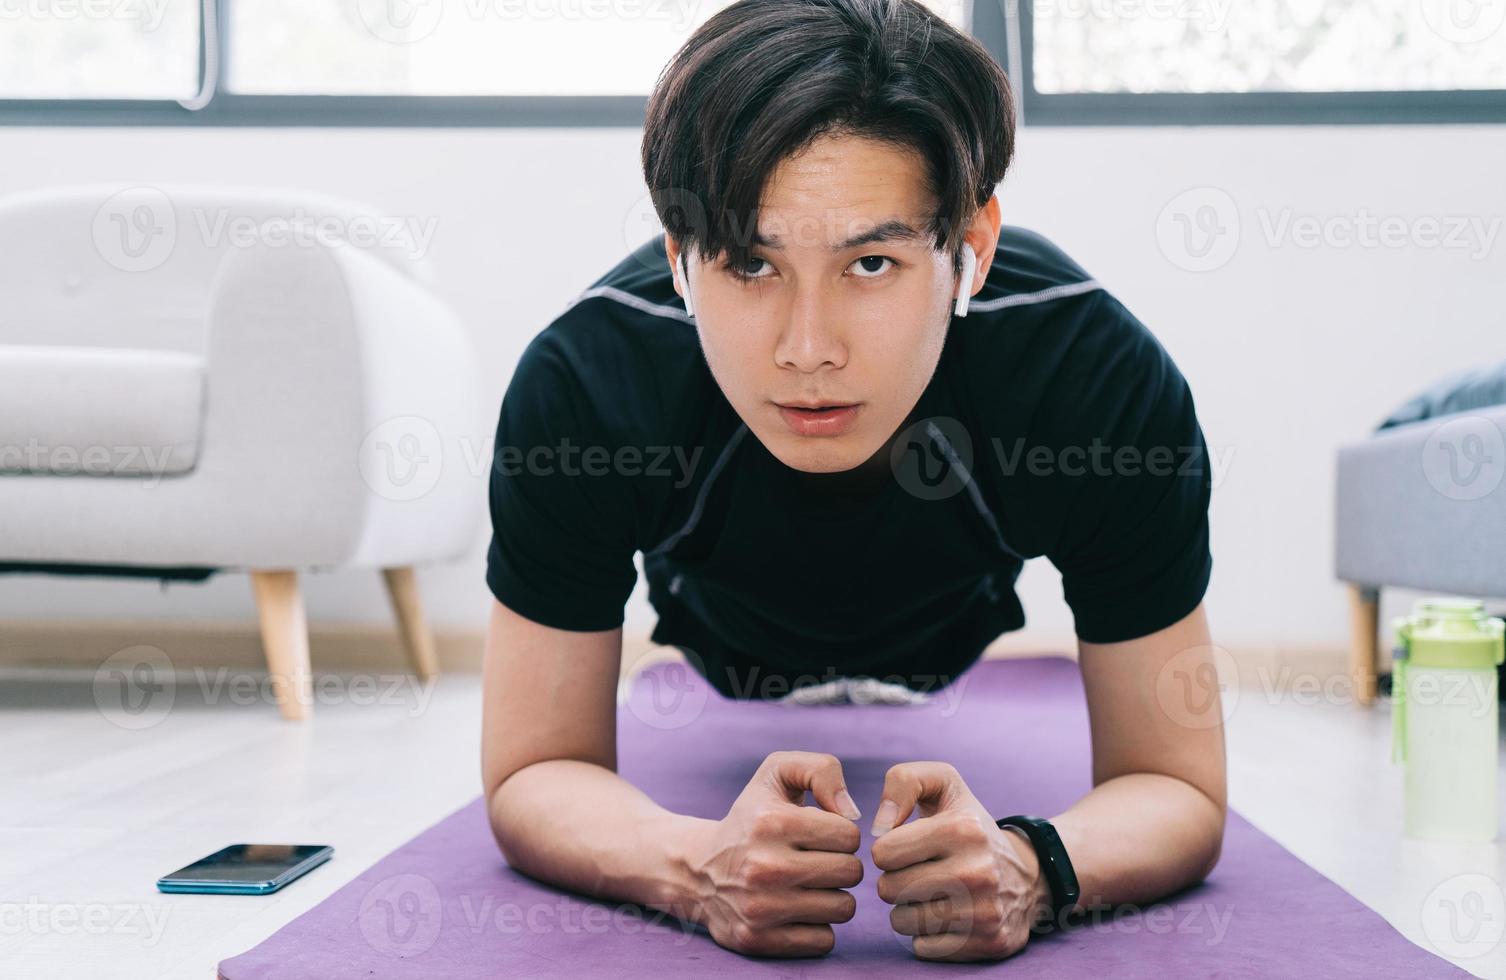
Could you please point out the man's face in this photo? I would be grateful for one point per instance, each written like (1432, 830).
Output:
(826, 342)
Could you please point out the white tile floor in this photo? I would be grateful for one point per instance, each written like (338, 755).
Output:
(93, 811)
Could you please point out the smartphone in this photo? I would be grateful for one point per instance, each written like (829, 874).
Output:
(247, 869)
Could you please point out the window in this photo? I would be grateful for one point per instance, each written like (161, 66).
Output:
(343, 62)
(464, 47)
(99, 49)
(1285, 60)
(592, 62)
(1268, 45)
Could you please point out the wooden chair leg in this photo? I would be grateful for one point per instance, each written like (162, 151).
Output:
(418, 641)
(1364, 629)
(285, 638)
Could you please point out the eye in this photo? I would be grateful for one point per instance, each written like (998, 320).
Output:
(867, 264)
(748, 272)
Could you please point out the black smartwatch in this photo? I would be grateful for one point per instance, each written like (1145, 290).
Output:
(1056, 867)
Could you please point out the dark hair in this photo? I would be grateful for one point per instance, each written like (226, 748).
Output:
(763, 79)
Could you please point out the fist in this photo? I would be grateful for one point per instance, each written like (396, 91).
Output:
(770, 876)
(961, 886)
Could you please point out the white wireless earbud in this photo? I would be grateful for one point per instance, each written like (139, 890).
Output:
(685, 284)
(965, 284)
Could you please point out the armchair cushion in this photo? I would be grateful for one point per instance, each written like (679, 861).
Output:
(99, 411)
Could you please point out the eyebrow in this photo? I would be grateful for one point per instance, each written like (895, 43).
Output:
(887, 231)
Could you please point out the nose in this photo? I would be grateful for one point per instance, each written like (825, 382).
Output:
(811, 339)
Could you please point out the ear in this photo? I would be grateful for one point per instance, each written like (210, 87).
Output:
(678, 274)
(982, 237)
(672, 254)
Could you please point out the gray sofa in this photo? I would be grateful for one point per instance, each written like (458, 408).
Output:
(1420, 505)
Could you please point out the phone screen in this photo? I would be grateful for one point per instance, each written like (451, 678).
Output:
(247, 863)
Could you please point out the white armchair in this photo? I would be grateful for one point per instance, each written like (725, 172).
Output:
(201, 378)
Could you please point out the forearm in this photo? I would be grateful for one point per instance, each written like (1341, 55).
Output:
(1138, 837)
(583, 827)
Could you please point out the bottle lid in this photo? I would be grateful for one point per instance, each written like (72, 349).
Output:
(1441, 632)
(1450, 632)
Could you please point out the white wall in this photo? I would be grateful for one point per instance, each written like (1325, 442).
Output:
(1290, 348)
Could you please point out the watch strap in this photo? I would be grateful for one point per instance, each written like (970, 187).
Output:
(1056, 866)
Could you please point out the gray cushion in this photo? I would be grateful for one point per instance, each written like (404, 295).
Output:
(1462, 392)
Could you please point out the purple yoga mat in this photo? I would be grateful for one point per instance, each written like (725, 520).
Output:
(446, 905)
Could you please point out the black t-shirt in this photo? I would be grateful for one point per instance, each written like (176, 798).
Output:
(1055, 425)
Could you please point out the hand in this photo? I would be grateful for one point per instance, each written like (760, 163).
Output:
(965, 888)
(768, 877)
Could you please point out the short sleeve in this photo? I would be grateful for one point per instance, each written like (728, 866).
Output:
(562, 543)
(1133, 541)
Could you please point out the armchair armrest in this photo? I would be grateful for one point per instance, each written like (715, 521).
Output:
(311, 353)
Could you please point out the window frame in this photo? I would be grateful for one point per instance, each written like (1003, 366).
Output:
(1004, 27)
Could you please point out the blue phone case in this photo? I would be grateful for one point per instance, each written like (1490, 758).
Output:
(209, 886)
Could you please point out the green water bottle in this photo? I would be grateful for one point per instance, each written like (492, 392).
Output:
(1445, 722)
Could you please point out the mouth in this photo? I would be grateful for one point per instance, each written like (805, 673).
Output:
(807, 418)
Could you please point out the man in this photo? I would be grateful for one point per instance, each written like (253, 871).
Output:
(806, 460)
